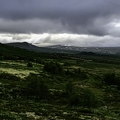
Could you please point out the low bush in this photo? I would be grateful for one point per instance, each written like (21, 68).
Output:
(74, 100)
(54, 68)
(90, 99)
(37, 87)
(9, 76)
(29, 64)
(6, 115)
(85, 98)
(112, 79)
(69, 88)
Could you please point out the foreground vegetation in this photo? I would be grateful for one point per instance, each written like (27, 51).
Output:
(59, 87)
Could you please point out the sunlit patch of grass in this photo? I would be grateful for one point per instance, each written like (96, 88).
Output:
(13, 63)
(21, 73)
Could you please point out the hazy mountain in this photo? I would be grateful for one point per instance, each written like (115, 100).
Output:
(66, 49)
(30, 47)
(27, 46)
(103, 50)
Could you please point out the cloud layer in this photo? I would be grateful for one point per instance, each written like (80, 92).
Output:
(46, 39)
(98, 18)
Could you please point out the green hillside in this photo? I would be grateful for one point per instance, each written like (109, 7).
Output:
(57, 86)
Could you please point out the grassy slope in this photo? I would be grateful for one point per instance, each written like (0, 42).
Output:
(17, 107)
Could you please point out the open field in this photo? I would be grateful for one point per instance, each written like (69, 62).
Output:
(69, 89)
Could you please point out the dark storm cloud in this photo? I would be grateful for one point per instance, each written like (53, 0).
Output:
(77, 16)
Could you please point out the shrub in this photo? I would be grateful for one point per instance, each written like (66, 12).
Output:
(7, 115)
(89, 99)
(74, 100)
(86, 99)
(67, 64)
(1, 58)
(69, 72)
(29, 64)
(9, 76)
(53, 68)
(112, 79)
(69, 88)
(37, 87)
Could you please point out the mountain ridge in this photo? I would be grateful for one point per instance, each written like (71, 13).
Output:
(65, 49)
(31, 47)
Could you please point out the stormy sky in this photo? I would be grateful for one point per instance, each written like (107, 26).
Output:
(65, 22)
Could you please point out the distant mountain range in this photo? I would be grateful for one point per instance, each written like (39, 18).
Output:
(48, 49)
(66, 49)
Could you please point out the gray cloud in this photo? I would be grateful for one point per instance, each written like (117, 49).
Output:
(31, 26)
(74, 22)
(75, 16)
(62, 39)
